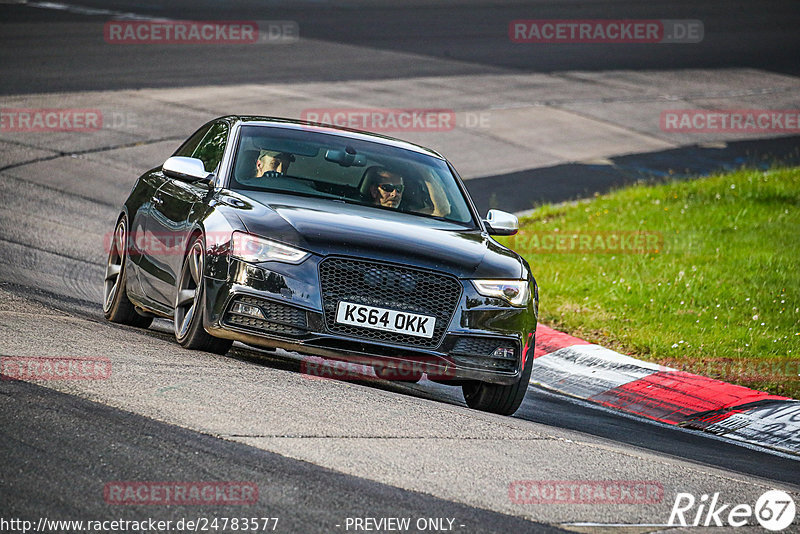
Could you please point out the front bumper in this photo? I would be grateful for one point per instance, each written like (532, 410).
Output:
(289, 296)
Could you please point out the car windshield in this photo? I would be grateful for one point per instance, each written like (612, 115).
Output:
(330, 166)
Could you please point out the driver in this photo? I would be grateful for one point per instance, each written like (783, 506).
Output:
(387, 188)
(272, 163)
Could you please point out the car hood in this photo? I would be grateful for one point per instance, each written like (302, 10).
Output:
(329, 227)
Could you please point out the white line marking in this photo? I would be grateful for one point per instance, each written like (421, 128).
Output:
(91, 11)
(618, 525)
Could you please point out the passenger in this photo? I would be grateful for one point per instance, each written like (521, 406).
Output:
(273, 164)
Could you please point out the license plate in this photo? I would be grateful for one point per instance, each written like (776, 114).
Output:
(388, 320)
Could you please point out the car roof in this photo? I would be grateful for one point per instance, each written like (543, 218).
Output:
(292, 124)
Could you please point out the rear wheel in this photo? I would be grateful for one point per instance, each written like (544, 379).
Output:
(116, 306)
(498, 398)
(188, 316)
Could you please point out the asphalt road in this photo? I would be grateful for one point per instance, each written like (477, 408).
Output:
(319, 450)
(570, 181)
(46, 50)
(64, 478)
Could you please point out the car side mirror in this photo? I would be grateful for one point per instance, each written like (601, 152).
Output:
(501, 223)
(187, 170)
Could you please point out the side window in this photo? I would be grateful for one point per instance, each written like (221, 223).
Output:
(211, 148)
(189, 146)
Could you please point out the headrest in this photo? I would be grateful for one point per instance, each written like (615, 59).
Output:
(246, 164)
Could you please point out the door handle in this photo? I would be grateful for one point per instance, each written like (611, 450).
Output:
(156, 200)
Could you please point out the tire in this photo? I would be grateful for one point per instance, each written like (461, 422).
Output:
(497, 398)
(116, 306)
(188, 315)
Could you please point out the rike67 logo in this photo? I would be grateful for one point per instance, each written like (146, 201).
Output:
(774, 510)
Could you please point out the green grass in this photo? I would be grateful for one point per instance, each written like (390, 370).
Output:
(719, 296)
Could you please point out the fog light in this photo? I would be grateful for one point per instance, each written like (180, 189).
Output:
(247, 309)
(503, 353)
(246, 274)
(255, 273)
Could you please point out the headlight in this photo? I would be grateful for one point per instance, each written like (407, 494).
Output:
(254, 249)
(515, 292)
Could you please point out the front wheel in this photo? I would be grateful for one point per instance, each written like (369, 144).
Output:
(188, 317)
(498, 398)
(116, 306)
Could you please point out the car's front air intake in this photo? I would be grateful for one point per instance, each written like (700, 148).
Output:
(388, 286)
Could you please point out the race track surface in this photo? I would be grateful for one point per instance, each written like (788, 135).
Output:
(323, 450)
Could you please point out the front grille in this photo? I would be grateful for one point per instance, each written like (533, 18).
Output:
(280, 318)
(387, 286)
(475, 351)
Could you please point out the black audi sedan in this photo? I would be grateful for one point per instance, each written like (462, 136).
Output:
(330, 242)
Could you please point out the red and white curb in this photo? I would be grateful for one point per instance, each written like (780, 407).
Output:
(596, 374)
